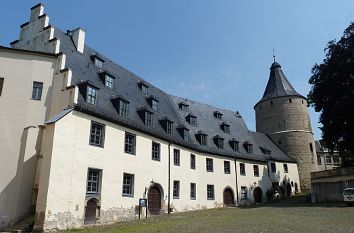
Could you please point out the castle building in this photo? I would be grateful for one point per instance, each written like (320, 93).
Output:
(88, 139)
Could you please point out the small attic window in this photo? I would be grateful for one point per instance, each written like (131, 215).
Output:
(153, 102)
(192, 120)
(184, 107)
(218, 115)
(121, 105)
(248, 147)
(201, 137)
(184, 132)
(225, 127)
(146, 116)
(89, 91)
(97, 61)
(144, 88)
(109, 81)
(219, 142)
(265, 151)
(167, 125)
(234, 145)
(237, 114)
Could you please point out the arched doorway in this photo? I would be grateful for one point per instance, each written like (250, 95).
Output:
(257, 195)
(91, 211)
(229, 197)
(154, 200)
(288, 189)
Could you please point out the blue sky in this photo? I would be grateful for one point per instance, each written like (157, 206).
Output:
(213, 51)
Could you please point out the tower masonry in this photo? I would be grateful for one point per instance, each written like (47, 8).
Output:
(282, 115)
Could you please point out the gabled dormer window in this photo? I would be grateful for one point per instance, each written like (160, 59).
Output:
(192, 120)
(121, 105)
(218, 115)
(219, 142)
(146, 116)
(167, 125)
(225, 127)
(97, 61)
(265, 151)
(153, 102)
(144, 88)
(109, 81)
(184, 132)
(248, 147)
(89, 91)
(201, 137)
(234, 145)
(184, 107)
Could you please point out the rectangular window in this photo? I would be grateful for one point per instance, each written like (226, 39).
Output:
(256, 170)
(186, 135)
(227, 167)
(1, 84)
(242, 169)
(220, 143)
(285, 168)
(154, 104)
(226, 128)
(210, 192)
(129, 146)
(184, 107)
(123, 108)
(176, 157)
(175, 189)
(37, 90)
(144, 89)
(234, 145)
(209, 165)
(193, 191)
(249, 148)
(92, 94)
(155, 151)
(98, 62)
(128, 184)
(93, 181)
(169, 127)
(193, 121)
(328, 159)
(203, 139)
(148, 119)
(273, 167)
(319, 162)
(109, 81)
(97, 134)
(192, 161)
(243, 193)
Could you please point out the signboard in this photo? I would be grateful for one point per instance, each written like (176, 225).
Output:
(142, 202)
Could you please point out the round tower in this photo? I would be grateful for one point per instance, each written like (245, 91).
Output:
(282, 115)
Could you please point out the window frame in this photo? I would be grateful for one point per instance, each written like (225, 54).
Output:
(209, 163)
(91, 96)
(273, 168)
(101, 136)
(2, 81)
(244, 195)
(242, 169)
(130, 144)
(192, 161)
(155, 154)
(203, 139)
(210, 192)
(90, 181)
(148, 119)
(220, 143)
(235, 145)
(169, 127)
(98, 62)
(128, 186)
(144, 89)
(176, 189)
(193, 191)
(227, 167)
(123, 107)
(176, 157)
(154, 104)
(286, 168)
(109, 81)
(255, 170)
(37, 90)
(193, 120)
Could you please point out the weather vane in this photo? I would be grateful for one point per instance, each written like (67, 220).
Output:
(273, 56)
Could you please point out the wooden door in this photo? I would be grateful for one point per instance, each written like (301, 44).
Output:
(90, 212)
(228, 197)
(257, 195)
(154, 200)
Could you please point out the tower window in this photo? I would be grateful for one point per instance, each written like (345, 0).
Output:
(271, 103)
(290, 100)
(311, 148)
(37, 90)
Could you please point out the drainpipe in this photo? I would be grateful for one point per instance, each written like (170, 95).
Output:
(236, 183)
(169, 178)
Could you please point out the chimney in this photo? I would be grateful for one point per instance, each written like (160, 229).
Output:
(78, 37)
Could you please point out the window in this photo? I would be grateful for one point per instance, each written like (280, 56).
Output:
(234, 145)
(155, 151)
(169, 127)
(210, 192)
(193, 120)
(336, 160)
(92, 94)
(243, 193)
(255, 170)
(192, 161)
(218, 115)
(242, 169)
(219, 142)
(290, 100)
(98, 62)
(248, 147)
(128, 184)
(154, 104)
(144, 89)
(37, 90)
(185, 135)
(209, 165)
(311, 148)
(176, 157)
(328, 159)
(271, 103)
(285, 168)
(1, 84)
(319, 162)
(225, 128)
(193, 191)
(175, 189)
(273, 167)
(129, 146)
(265, 151)
(109, 81)
(227, 167)
(184, 107)
(148, 118)
(93, 181)
(123, 108)
(97, 134)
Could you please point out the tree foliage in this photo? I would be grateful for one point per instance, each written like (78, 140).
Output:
(332, 94)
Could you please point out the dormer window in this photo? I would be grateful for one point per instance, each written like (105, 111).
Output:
(184, 107)
(248, 147)
(184, 132)
(97, 61)
(167, 125)
(89, 91)
(201, 138)
(192, 120)
(234, 145)
(144, 88)
(153, 102)
(225, 127)
(109, 81)
(146, 116)
(218, 115)
(121, 105)
(265, 151)
(219, 142)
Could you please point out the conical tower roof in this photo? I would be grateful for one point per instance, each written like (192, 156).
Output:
(278, 85)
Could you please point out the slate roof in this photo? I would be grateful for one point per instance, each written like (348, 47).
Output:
(278, 85)
(127, 87)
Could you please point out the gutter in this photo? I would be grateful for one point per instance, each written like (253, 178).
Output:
(236, 184)
(169, 179)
